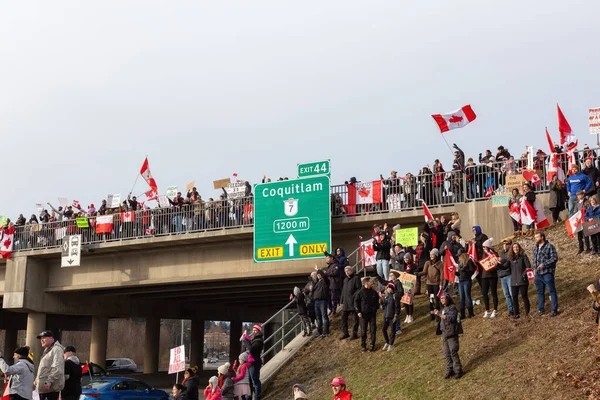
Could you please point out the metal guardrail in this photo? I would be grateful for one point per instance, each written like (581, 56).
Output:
(435, 188)
(280, 337)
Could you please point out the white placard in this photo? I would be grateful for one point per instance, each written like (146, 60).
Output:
(177, 360)
(595, 121)
(171, 192)
(235, 190)
(113, 200)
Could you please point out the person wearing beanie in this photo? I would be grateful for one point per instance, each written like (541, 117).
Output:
(72, 389)
(434, 271)
(449, 327)
(349, 288)
(241, 381)
(300, 299)
(21, 373)
(410, 268)
(390, 303)
(225, 381)
(298, 392)
(213, 391)
(191, 383)
(256, 348)
(338, 385)
(489, 282)
(321, 298)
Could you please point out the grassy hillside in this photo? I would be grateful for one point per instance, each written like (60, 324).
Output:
(531, 358)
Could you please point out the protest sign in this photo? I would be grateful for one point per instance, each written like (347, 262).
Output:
(2, 220)
(82, 223)
(190, 186)
(113, 200)
(63, 202)
(514, 181)
(409, 281)
(500, 200)
(163, 201)
(489, 263)
(408, 236)
(591, 227)
(394, 202)
(39, 207)
(177, 360)
(171, 192)
(221, 183)
(235, 190)
(595, 121)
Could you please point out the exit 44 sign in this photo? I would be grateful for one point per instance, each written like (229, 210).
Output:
(292, 219)
(314, 168)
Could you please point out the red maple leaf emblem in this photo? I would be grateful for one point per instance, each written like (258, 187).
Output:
(7, 243)
(455, 119)
(369, 250)
(364, 192)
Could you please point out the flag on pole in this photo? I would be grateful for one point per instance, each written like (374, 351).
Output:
(473, 252)
(450, 267)
(7, 236)
(427, 213)
(364, 193)
(575, 223)
(455, 119)
(145, 172)
(566, 133)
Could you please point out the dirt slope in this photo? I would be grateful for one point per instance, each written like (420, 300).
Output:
(531, 358)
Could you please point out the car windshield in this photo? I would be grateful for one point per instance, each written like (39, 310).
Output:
(110, 363)
(96, 385)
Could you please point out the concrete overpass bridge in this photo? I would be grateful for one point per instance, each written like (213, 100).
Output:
(204, 275)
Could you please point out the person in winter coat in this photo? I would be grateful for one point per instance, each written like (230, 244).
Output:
(335, 283)
(592, 213)
(225, 381)
(504, 274)
(350, 287)
(256, 348)
(583, 204)
(72, 389)
(557, 198)
(382, 245)
(478, 239)
(515, 199)
(391, 312)
(545, 258)
(310, 302)
(191, 384)
(321, 298)
(575, 182)
(466, 269)
(410, 268)
(213, 391)
(592, 172)
(298, 392)
(455, 223)
(241, 380)
(519, 264)
(20, 374)
(489, 283)
(397, 257)
(366, 303)
(50, 378)
(434, 271)
(450, 327)
(340, 258)
(300, 299)
(178, 392)
(339, 389)
(529, 197)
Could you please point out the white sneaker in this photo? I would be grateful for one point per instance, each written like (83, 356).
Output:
(406, 319)
(410, 319)
(487, 314)
(390, 347)
(385, 347)
(494, 314)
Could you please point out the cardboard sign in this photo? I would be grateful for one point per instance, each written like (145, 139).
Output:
(409, 281)
(501, 200)
(39, 207)
(113, 200)
(235, 190)
(221, 183)
(408, 237)
(514, 181)
(595, 121)
(190, 186)
(177, 360)
(591, 227)
(163, 201)
(394, 202)
(171, 192)
(489, 263)
(82, 223)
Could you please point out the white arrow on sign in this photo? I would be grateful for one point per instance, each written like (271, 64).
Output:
(291, 241)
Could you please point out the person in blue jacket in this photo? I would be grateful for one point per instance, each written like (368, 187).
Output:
(577, 181)
(592, 213)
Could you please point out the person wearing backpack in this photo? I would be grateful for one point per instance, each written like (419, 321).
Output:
(449, 327)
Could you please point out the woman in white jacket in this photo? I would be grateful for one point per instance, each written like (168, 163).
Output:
(20, 374)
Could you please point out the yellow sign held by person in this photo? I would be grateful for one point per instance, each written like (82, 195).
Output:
(82, 223)
(407, 236)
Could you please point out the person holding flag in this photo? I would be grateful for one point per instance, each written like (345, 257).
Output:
(20, 375)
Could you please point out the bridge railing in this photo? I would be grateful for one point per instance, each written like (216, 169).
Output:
(290, 326)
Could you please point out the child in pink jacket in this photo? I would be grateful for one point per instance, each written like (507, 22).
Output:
(212, 391)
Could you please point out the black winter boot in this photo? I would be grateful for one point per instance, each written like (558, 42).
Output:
(462, 313)
(471, 313)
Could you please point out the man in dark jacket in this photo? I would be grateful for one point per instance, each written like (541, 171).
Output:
(299, 298)
(450, 327)
(310, 301)
(592, 172)
(391, 313)
(366, 303)
(478, 239)
(349, 289)
(335, 283)
(72, 389)
(382, 244)
(504, 274)
(321, 298)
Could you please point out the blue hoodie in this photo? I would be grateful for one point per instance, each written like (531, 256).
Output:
(579, 181)
(477, 230)
(341, 260)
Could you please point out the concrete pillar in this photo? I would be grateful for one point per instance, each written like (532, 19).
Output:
(10, 343)
(99, 340)
(235, 346)
(36, 323)
(151, 343)
(197, 343)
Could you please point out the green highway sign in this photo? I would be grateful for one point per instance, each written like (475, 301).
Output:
(314, 168)
(292, 219)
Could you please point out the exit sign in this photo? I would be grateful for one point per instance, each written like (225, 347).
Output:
(314, 168)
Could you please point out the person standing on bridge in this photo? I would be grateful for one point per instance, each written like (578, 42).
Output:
(51, 370)
(321, 297)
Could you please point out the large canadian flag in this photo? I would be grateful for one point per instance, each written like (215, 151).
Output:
(7, 238)
(145, 172)
(6, 391)
(450, 267)
(575, 223)
(515, 211)
(104, 224)
(128, 216)
(427, 213)
(364, 193)
(367, 253)
(455, 119)
(533, 214)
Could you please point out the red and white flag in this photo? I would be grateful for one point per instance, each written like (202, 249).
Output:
(575, 223)
(365, 193)
(515, 211)
(76, 204)
(427, 213)
(151, 195)
(145, 172)
(149, 231)
(128, 216)
(553, 167)
(533, 214)
(367, 253)
(456, 119)
(532, 176)
(450, 267)
(566, 133)
(490, 191)
(473, 252)
(7, 237)
(104, 224)
(6, 391)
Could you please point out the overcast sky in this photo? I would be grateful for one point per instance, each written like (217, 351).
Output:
(209, 88)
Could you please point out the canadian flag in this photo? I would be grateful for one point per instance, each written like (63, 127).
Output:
(364, 193)
(149, 231)
(533, 214)
(151, 195)
(104, 224)
(76, 204)
(456, 119)
(473, 252)
(6, 391)
(85, 368)
(427, 213)
(7, 236)
(515, 211)
(532, 177)
(553, 167)
(128, 216)
(566, 133)
(450, 267)
(367, 253)
(575, 223)
(145, 172)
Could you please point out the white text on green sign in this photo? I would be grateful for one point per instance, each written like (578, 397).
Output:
(314, 168)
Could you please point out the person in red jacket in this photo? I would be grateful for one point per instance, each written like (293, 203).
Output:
(339, 389)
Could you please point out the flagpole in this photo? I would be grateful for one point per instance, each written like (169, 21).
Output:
(447, 144)
(136, 179)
